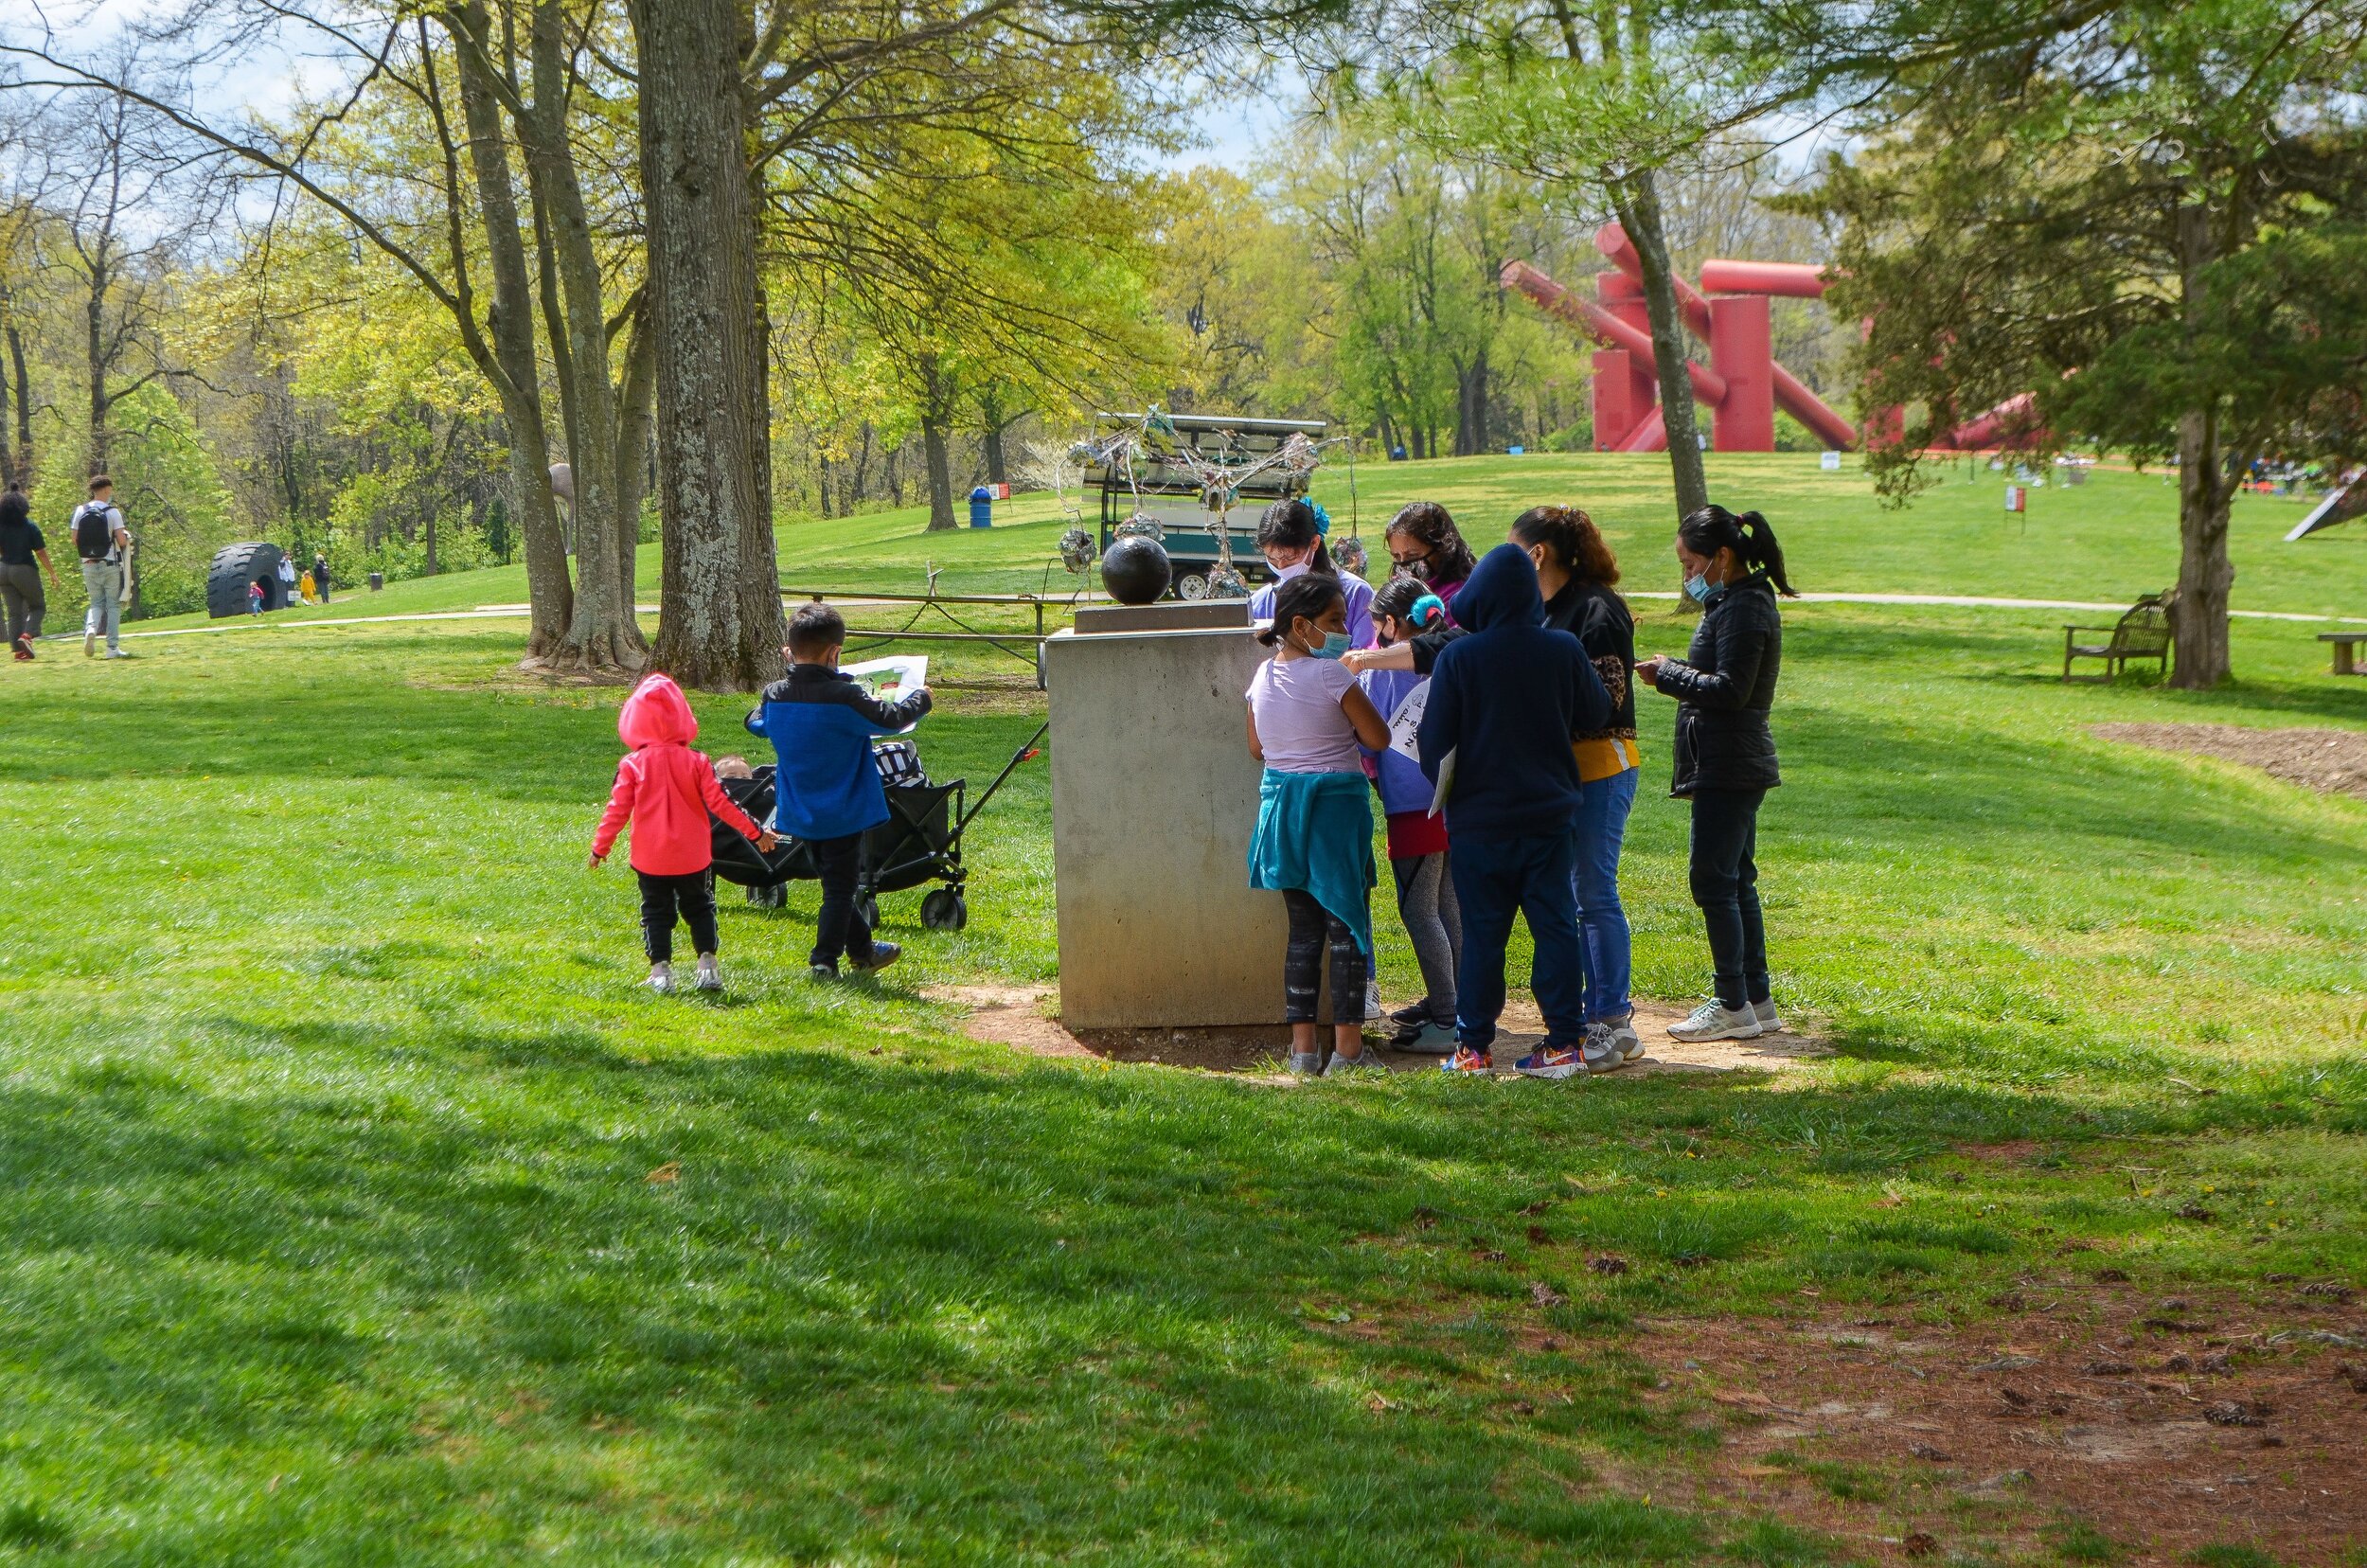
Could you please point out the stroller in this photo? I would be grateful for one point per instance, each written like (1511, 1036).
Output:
(921, 842)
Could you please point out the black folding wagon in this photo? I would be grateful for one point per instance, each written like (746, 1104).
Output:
(919, 842)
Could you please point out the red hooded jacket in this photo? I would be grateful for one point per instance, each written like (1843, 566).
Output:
(665, 788)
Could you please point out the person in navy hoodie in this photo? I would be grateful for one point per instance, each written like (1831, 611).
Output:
(827, 788)
(1508, 701)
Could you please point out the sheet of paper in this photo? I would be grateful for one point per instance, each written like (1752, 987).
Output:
(1445, 783)
(892, 678)
(1407, 720)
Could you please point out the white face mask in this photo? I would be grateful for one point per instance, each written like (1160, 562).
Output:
(1284, 574)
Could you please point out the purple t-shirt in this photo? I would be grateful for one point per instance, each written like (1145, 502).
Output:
(1357, 593)
(1301, 726)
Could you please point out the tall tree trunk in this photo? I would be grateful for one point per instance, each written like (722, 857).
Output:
(634, 414)
(1637, 202)
(993, 421)
(9, 472)
(1471, 407)
(509, 323)
(2200, 623)
(933, 441)
(602, 633)
(24, 407)
(720, 624)
(92, 319)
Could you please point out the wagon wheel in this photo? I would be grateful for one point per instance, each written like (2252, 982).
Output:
(945, 910)
(868, 909)
(1191, 585)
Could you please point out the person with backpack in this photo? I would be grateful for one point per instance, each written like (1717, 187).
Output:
(105, 546)
(320, 573)
(21, 545)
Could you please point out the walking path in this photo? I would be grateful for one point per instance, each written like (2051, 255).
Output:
(514, 611)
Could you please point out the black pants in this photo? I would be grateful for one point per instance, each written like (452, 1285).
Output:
(20, 587)
(693, 895)
(1726, 886)
(839, 929)
(1311, 927)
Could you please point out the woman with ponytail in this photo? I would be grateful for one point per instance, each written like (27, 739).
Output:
(1291, 537)
(1726, 753)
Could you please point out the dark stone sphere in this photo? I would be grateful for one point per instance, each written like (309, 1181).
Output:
(1136, 571)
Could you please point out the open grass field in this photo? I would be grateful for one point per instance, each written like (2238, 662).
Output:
(359, 1209)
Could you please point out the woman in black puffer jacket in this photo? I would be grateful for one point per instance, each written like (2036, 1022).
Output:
(1725, 753)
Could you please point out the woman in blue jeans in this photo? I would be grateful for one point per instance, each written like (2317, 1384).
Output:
(1577, 573)
(1725, 752)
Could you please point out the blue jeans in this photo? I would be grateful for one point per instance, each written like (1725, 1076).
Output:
(1603, 807)
(1533, 875)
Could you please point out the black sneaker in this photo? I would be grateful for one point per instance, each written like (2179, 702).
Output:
(883, 954)
(821, 972)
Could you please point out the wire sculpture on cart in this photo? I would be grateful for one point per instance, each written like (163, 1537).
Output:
(1152, 440)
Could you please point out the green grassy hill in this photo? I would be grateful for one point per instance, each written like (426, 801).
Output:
(2108, 541)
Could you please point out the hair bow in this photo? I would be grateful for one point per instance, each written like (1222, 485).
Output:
(1323, 518)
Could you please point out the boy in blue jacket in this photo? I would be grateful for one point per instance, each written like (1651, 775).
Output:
(1507, 699)
(826, 787)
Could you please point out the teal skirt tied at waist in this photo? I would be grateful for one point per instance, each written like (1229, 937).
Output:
(1315, 833)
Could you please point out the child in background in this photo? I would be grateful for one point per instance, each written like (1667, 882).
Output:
(1314, 838)
(1508, 701)
(665, 790)
(826, 790)
(1417, 840)
(1290, 536)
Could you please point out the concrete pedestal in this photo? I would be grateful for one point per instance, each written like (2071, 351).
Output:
(1153, 797)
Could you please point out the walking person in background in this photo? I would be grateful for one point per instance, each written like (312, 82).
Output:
(21, 545)
(1291, 537)
(320, 573)
(105, 547)
(1425, 544)
(1725, 752)
(1417, 837)
(1504, 704)
(287, 581)
(1313, 842)
(1577, 571)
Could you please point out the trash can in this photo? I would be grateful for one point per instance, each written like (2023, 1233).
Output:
(982, 507)
(377, 581)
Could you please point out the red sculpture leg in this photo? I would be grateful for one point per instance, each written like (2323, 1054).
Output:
(1741, 352)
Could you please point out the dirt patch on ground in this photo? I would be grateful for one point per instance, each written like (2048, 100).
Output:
(1020, 1017)
(2331, 761)
(2166, 1426)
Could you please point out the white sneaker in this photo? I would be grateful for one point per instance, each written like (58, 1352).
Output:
(710, 978)
(1713, 1020)
(90, 643)
(1601, 1053)
(1374, 1011)
(1765, 1013)
(117, 653)
(661, 978)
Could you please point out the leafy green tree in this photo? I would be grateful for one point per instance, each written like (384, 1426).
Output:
(2148, 218)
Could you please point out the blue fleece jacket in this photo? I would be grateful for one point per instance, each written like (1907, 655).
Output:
(821, 723)
(1507, 699)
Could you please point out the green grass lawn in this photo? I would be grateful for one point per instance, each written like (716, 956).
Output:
(2106, 541)
(329, 1114)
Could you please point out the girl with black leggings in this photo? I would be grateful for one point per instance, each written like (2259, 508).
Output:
(1726, 753)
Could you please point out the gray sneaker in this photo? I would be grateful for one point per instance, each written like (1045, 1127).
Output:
(661, 978)
(1359, 1065)
(710, 978)
(1765, 1013)
(1624, 1036)
(1713, 1020)
(1307, 1064)
(1430, 1040)
(1601, 1053)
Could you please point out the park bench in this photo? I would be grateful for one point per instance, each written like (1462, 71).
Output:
(2346, 651)
(2143, 632)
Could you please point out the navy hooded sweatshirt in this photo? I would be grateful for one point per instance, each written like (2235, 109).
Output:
(1507, 699)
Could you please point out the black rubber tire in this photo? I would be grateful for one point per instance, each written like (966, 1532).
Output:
(868, 906)
(234, 567)
(945, 910)
(769, 898)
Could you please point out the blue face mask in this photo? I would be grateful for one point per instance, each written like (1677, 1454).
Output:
(1335, 644)
(1699, 589)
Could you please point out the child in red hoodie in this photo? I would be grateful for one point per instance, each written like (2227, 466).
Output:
(667, 791)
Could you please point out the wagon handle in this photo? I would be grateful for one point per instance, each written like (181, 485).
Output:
(1018, 757)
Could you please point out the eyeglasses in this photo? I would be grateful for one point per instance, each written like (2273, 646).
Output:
(1421, 559)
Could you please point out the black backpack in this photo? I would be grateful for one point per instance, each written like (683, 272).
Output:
(94, 535)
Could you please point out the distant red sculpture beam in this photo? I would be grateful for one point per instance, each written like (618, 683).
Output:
(1791, 396)
(1603, 328)
(1790, 279)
